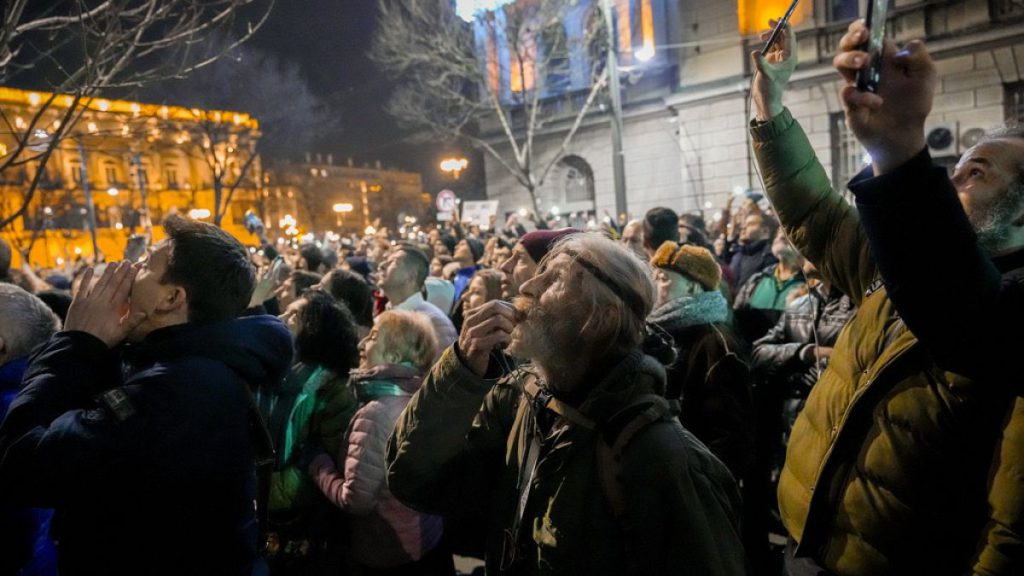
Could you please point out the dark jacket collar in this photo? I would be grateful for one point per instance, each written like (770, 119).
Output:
(257, 348)
(1010, 262)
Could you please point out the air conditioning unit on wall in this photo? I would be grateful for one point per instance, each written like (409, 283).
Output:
(970, 136)
(943, 139)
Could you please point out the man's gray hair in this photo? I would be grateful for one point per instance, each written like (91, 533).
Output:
(618, 278)
(25, 321)
(993, 227)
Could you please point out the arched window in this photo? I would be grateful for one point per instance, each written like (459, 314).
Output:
(577, 180)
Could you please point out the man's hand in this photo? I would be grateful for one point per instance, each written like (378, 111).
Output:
(890, 124)
(484, 329)
(102, 310)
(773, 72)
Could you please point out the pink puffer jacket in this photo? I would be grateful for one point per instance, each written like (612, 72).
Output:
(385, 533)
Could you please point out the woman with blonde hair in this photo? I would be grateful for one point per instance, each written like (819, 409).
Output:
(386, 536)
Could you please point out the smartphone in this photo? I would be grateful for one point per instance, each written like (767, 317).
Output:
(779, 27)
(868, 78)
(135, 248)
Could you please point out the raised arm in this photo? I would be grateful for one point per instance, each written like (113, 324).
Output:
(819, 222)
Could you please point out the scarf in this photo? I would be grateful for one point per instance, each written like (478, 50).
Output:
(685, 311)
(385, 380)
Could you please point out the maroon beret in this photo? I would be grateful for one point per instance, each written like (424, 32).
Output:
(539, 242)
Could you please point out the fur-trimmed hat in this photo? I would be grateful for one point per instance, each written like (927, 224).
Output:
(691, 261)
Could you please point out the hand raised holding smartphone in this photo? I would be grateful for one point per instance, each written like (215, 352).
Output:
(888, 121)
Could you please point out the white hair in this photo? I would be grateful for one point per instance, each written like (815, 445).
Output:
(25, 321)
(616, 278)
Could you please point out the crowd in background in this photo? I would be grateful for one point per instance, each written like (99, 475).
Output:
(656, 395)
(369, 316)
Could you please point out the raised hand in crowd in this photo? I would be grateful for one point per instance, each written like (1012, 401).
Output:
(102, 309)
(891, 134)
(773, 71)
(485, 328)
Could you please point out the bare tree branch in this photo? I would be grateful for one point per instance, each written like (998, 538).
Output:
(495, 83)
(81, 48)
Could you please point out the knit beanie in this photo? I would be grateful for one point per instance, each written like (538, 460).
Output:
(539, 242)
(694, 262)
(476, 247)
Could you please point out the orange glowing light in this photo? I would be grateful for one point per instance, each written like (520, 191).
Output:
(754, 14)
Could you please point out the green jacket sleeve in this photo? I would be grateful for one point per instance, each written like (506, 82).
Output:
(449, 445)
(822, 225)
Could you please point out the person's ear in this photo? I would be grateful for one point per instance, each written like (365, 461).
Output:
(175, 299)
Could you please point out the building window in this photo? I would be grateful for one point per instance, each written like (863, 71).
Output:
(577, 179)
(171, 175)
(848, 156)
(1014, 102)
(75, 171)
(110, 171)
(556, 58)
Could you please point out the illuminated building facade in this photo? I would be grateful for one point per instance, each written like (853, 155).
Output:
(139, 162)
(308, 191)
(685, 140)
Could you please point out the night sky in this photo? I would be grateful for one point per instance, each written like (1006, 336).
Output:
(329, 39)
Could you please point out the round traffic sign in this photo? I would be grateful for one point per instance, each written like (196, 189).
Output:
(446, 200)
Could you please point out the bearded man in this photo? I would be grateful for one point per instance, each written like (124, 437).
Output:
(535, 476)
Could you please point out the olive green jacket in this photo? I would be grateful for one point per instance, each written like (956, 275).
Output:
(895, 466)
(457, 450)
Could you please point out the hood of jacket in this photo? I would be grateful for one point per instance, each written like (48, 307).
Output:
(257, 348)
(685, 311)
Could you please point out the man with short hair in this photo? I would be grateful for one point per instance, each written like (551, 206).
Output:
(401, 279)
(660, 225)
(147, 450)
(521, 451)
(907, 456)
(25, 323)
(752, 251)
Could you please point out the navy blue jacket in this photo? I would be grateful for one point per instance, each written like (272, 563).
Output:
(145, 451)
(964, 306)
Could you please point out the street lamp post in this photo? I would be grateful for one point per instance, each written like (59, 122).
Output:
(618, 160)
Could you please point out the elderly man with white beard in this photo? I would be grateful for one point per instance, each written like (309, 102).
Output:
(524, 450)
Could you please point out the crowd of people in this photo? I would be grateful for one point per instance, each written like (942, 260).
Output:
(798, 386)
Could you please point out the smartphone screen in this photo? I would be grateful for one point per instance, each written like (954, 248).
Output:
(868, 78)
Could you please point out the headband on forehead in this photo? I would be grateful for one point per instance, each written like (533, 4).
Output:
(631, 298)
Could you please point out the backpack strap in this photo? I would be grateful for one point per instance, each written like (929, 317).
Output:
(611, 444)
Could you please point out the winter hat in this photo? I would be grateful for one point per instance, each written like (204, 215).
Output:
(476, 247)
(694, 262)
(59, 281)
(539, 242)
